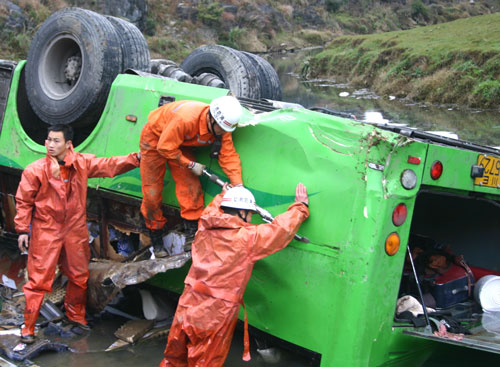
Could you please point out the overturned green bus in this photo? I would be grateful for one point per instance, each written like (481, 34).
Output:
(376, 192)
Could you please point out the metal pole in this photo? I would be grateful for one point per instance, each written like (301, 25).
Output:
(428, 328)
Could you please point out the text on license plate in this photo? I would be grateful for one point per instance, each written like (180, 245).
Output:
(491, 176)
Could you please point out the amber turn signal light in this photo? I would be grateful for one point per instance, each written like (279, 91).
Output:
(392, 244)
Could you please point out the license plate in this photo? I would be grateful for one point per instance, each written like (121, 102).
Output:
(491, 171)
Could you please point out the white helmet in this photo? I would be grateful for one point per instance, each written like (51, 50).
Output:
(227, 112)
(239, 198)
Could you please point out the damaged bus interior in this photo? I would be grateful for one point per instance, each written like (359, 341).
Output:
(454, 242)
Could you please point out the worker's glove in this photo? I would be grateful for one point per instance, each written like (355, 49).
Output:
(196, 168)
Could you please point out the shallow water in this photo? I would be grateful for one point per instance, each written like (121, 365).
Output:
(478, 126)
(89, 351)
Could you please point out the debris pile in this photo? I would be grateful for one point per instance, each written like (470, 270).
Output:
(115, 282)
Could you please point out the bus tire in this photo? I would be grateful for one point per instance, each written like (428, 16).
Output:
(72, 61)
(270, 84)
(237, 72)
(134, 47)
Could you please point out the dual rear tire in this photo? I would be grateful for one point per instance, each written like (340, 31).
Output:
(73, 59)
(76, 54)
(245, 74)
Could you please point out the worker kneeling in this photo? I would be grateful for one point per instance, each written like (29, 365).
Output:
(167, 138)
(224, 252)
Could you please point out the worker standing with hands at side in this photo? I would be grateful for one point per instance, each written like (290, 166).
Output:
(51, 205)
(224, 252)
(167, 138)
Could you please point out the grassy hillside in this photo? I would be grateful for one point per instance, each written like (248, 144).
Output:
(175, 28)
(456, 62)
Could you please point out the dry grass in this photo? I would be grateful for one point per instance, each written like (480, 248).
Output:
(431, 87)
(455, 62)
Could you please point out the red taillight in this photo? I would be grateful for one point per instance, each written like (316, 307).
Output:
(436, 170)
(413, 160)
(399, 214)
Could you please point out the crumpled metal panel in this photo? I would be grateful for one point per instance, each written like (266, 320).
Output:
(107, 278)
(14, 350)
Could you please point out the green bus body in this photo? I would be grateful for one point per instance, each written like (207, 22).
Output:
(335, 296)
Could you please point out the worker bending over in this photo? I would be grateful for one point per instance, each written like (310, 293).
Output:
(167, 138)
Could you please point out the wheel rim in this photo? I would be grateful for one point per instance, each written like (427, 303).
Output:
(60, 66)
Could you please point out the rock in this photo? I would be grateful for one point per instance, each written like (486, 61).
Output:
(308, 17)
(135, 11)
(233, 9)
(186, 12)
(15, 20)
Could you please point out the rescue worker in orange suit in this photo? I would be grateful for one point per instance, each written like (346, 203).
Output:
(167, 138)
(51, 205)
(224, 252)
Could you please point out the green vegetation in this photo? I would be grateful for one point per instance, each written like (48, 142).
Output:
(333, 5)
(456, 62)
(234, 37)
(301, 23)
(435, 63)
(418, 9)
(209, 14)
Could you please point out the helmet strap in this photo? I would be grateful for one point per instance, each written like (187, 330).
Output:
(212, 126)
(243, 217)
(217, 144)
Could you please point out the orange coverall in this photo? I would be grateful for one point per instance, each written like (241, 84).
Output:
(57, 214)
(224, 252)
(166, 138)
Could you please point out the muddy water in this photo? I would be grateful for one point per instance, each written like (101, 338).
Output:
(478, 126)
(89, 351)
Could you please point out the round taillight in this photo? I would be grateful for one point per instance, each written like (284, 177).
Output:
(392, 244)
(399, 214)
(408, 179)
(436, 170)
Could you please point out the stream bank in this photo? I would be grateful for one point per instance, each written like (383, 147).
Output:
(481, 126)
(450, 63)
